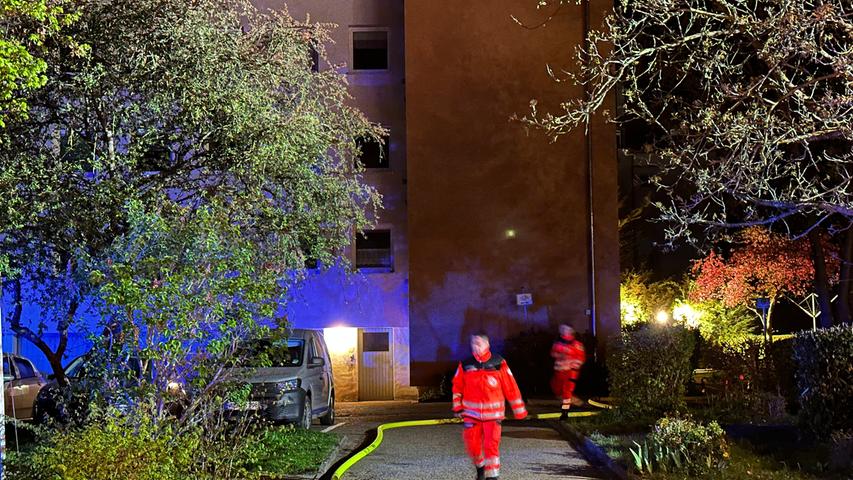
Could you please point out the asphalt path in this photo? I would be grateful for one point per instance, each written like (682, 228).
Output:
(529, 451)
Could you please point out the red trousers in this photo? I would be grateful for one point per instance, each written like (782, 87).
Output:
(482, 442)
(563, 385)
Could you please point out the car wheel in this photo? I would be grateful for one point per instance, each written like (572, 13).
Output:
(305, 421)
(329, 417)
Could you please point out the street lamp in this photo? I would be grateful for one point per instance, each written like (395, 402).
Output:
(662, 317)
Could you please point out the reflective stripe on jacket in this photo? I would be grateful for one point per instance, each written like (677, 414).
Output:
(481, 388)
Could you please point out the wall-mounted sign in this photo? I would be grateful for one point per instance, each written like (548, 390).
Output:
(524, 299)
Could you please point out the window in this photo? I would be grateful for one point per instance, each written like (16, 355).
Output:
(375, 342)
(370, 50)
(25, 368)
(373, 250)
(374, 154)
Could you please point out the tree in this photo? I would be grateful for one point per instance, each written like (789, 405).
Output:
(27, 25)
(204, 103)
(745, 106)
(640, 298)
(187, 288)
(763, 264)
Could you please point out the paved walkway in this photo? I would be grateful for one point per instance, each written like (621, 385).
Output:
(529, 451)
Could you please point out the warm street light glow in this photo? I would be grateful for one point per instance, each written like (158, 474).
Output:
(629, 313)
(341, 340)
(685, 312)
(662, 316)
(510, 233)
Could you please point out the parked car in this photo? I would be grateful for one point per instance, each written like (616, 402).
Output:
(22, 383)
(295, 385)
(72, 403)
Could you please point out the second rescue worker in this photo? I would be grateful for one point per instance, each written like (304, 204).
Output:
(569, 357)
(480, 387)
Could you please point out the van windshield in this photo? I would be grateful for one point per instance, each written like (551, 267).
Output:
(278, 353)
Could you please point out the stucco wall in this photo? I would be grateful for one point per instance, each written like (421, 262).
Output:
(474, 175)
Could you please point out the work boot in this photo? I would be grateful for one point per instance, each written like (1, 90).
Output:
(491, 478)
(481, 473)
(564, 415)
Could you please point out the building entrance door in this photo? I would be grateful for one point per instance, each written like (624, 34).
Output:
(376, 368)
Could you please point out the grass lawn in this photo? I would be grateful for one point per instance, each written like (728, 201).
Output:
(286, 450)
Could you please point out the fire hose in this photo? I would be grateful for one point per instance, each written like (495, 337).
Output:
(341, 470)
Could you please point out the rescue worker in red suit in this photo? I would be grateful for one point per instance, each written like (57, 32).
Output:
(569, 355)
(480, 387)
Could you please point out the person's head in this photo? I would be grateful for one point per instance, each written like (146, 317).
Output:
(567, 331)
(479, 344)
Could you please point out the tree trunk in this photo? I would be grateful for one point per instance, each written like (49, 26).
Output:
(842, 312)
(54, 358)
(769, 335)
(821, 284)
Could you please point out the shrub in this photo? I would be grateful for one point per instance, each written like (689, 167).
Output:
(825, 379)
(841, 450)
(109, 449)
(754, 381)
(649, 369)
(682, 445)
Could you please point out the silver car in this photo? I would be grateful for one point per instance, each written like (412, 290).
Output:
(298, 387)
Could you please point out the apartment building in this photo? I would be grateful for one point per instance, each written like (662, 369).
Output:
(487, 226)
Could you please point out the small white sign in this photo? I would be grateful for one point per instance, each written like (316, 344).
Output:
(523, 299)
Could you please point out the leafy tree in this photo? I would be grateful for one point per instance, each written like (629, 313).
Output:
(26, 26)
(762, 264)
(204, 103)
(640, 298)
(187, 288)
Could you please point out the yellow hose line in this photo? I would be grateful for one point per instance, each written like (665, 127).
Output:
(339, 473)
(598, 404)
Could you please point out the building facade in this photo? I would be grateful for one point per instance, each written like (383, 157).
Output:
(477, 209)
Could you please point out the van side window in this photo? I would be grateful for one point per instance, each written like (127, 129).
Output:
(310, 353)
(321, 351)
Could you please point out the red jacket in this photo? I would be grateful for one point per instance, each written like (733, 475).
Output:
(569, 355)
(481, 388)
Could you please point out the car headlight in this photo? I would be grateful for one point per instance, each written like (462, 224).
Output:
(288, 385)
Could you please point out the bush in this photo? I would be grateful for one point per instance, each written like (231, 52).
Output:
(754, 381)
(650, 368)
(825, 378)
(109, 449)
(682, 445)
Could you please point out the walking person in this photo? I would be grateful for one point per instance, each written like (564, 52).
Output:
(569, 356)
(480, 387)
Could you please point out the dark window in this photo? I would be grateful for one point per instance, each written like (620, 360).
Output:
(25, 368)
(374, 154)
(370, 50)
(373, 250)
(375, 342)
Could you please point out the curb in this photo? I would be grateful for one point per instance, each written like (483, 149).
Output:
(592, 452)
